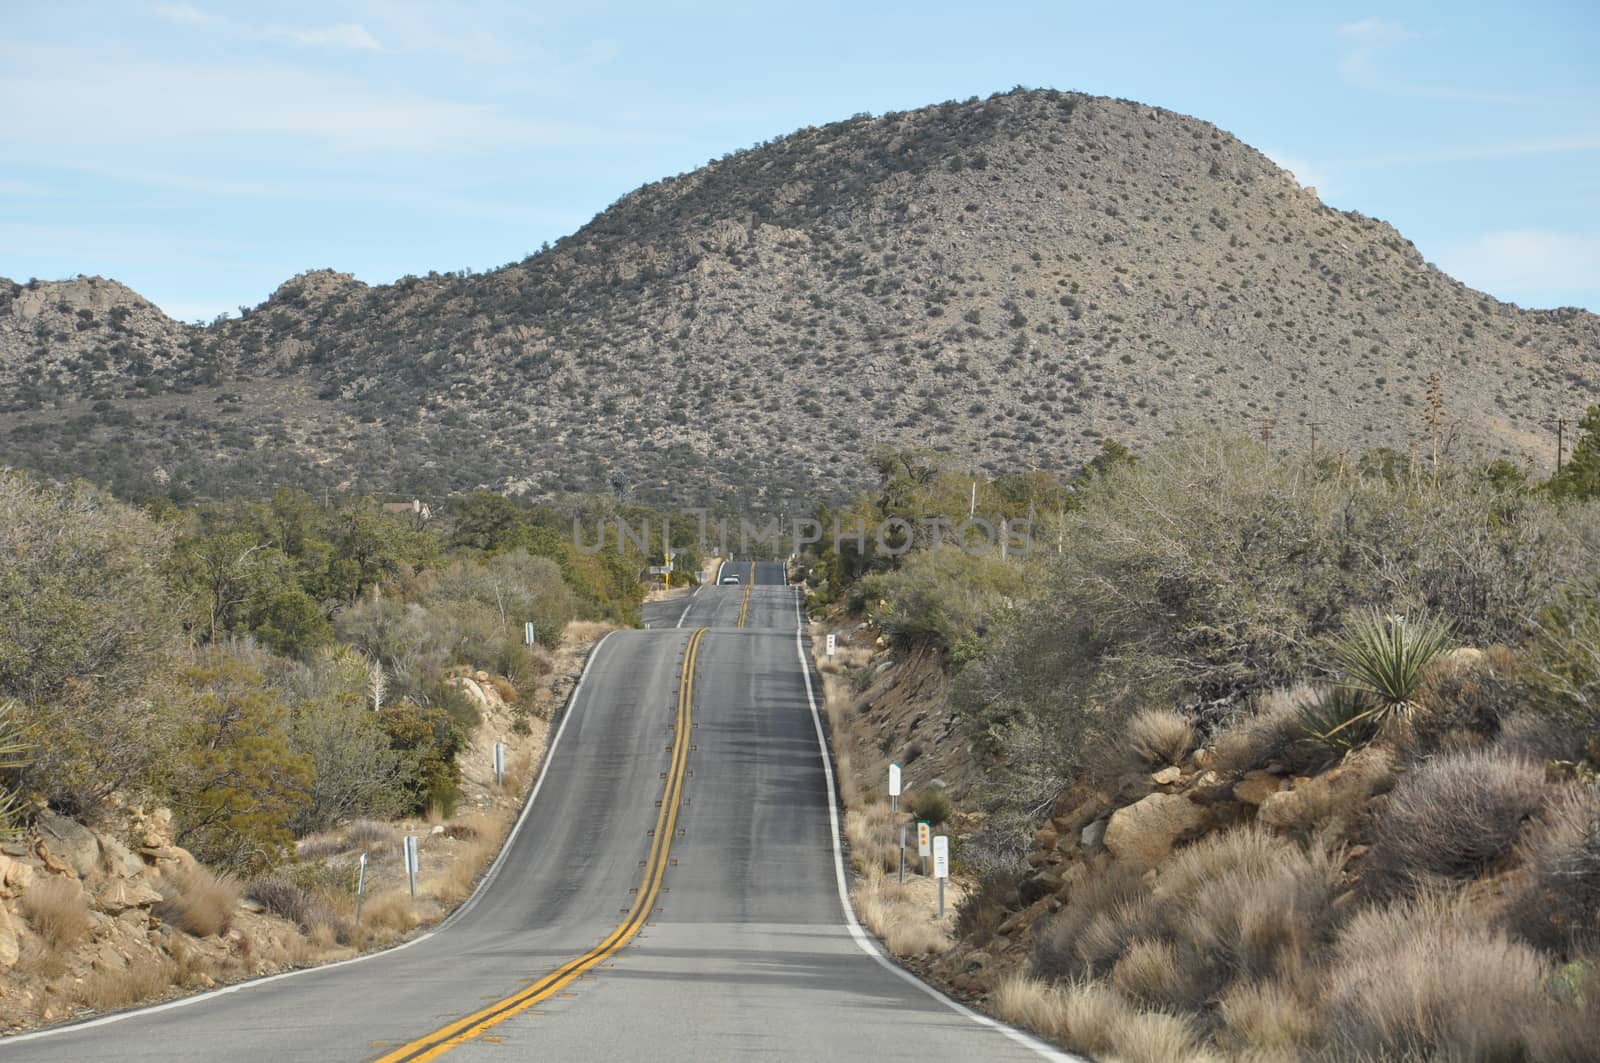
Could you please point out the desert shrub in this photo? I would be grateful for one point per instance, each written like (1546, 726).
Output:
(1158, 737)
(430, 740)
(1452, 818)
(983, 908)
(1243, 906)
(1430, 979)
(942, 596)
(367, 834)
(1212, 571)
(1564, 664)
(931, 804)
(236, 784)
(1464, 693)
(58, 911)
(197, 900)
(1273, 734)
(1102, 918)
(1559, 908)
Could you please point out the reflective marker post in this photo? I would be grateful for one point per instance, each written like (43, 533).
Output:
(894, 788)
(500, 764)
(831, 642)
(527, 633)
(361, 887)
(941, 866)
(924, 843)
(411, 863)
(902, 852)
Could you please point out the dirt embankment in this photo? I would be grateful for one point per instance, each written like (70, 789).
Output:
(100, 919)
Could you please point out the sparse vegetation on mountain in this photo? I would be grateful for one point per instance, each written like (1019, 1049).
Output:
(1015, 278)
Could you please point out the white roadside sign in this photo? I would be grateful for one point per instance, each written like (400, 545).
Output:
(894, 780)
(941, 856)
(831, 640)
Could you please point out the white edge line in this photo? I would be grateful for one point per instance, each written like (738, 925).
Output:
(862, 938)
(494, 869)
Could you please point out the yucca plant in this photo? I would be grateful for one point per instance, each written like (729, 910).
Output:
(1382, 659)
(1341, 718)
(13, 754)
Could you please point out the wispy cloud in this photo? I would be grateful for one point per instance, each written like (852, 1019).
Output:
(344, 35)
(1513, 262)
(1365, 43)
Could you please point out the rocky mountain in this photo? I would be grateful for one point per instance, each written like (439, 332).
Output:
(1009, 279)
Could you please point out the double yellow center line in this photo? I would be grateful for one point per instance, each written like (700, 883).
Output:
(744, 606)
(475, 1025)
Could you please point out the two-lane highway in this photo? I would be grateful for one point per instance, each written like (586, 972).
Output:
(673, 892)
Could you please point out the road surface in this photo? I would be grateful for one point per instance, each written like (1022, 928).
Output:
(591, 939)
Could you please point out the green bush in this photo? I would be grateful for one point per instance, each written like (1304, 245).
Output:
(931, 805)
(943, 596)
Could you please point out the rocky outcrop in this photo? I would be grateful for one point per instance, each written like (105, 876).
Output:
(1142, 834)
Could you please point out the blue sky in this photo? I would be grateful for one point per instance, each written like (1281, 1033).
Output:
(203, 152)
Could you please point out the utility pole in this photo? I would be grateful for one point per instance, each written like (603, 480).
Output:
(1267, 425)
(1314, 425)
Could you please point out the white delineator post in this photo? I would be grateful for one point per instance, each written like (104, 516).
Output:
(902, 852)
(361, 887)
(411, 863)
(894, 788)
(941, 866)
(832, 640)
(500, 764)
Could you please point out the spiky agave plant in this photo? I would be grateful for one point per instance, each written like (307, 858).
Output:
(1382, 659)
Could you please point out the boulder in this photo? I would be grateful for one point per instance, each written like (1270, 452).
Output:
(10, 947)
(14, 874)
(1143, 833)
(1335, 799)
(1167, 776)
(1255, 787)
(1091, 836)
(117, 861)
(115, 896)
(74, 843)
(1046, 838)
(472, 690)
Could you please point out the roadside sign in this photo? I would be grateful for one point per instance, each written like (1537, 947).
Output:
(894, 780)
(412, 863)
(831, 639)
(924, 839)
(941, 856)
(499, 763)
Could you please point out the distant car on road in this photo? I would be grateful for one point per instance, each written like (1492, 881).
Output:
(730, 579)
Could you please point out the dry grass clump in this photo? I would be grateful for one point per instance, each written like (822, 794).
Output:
(1267, 1019)
(887, 909)
(481, 834)
(307, 908)
(1234, 908)
(198, 901)
(1157, 738)
(1094, 1018)
(1430, 979)
(983, 909)
(58, 911)
(389, 912)
(873, 838)
(1451, 819)
(586, 630)
(110, 990)
(1273, 734)
(1559, 909)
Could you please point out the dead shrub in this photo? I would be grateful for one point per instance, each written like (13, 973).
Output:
(1032, 1005)
(1156, 738)
(1569, 1028)
(1559, 909)
(1430, 979)
(1451, 819)
(291, 900)
(368, 835)
(198, 901)
(58, 911)
(503, 687)
(1149, 972)
(391, 912)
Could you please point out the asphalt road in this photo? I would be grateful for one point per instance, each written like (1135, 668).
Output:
(591, 940)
